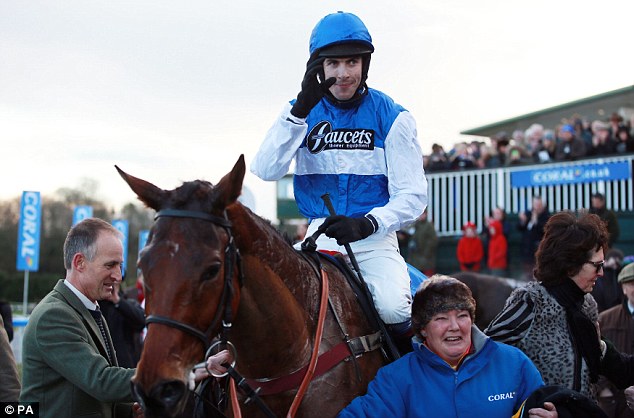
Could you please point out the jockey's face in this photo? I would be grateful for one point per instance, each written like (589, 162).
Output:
(347, 71)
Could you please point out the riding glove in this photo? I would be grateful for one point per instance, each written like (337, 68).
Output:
(346, 230)
(312, 89)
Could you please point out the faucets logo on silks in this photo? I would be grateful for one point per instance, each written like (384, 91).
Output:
(323, 137)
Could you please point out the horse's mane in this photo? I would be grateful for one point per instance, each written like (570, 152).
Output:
(268, 224)
(203, 192)
(198, 190)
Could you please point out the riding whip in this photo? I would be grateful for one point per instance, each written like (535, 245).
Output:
(392, 350)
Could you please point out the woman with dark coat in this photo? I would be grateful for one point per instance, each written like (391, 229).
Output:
(553, 319)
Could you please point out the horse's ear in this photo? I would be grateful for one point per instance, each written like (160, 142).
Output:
(230, 186)
(148, 193)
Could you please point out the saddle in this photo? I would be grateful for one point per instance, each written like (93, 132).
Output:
(339, 261)
(365, 301)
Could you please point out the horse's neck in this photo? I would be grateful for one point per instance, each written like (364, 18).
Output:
(271, 329)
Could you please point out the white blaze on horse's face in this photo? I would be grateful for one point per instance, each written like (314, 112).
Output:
(173, 248)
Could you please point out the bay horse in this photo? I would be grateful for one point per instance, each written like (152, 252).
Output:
(210, 264)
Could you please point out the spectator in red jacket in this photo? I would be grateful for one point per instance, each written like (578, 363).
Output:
(497, 250)
(470, 250)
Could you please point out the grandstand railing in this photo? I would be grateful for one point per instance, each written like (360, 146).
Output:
(456, 197)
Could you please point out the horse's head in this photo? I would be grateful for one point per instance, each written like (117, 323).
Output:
(191, 283)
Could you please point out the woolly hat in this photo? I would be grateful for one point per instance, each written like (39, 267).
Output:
(440, 294)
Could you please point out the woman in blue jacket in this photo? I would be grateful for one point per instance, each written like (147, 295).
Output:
(455, 370)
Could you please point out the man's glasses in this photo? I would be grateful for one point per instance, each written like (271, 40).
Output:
(597, 264)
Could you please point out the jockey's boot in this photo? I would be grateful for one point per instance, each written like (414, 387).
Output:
(401, 334)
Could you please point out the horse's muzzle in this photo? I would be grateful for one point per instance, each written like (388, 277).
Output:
(166, 399)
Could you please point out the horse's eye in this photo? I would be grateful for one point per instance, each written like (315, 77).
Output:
(210, 272)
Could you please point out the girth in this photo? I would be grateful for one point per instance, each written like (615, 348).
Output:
(327, 361)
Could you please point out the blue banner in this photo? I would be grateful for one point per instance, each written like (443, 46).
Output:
(585, 173)
(80, 213)
(143, 234)
(123, 227)
(28, 257)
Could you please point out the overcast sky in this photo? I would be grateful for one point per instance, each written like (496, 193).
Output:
(174, 91)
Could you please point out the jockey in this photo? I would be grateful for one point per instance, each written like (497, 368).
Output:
(356, 144)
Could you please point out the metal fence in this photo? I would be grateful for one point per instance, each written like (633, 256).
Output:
(469, 195)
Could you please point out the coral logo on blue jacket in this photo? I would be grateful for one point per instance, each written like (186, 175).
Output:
(323, 137)
(501, 396)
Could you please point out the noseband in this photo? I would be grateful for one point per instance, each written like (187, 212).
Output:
(232, 258)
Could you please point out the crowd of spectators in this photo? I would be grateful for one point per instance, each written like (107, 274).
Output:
(574, 139)
(489, 251)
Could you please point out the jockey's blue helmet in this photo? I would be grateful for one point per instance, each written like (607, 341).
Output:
(340, 34)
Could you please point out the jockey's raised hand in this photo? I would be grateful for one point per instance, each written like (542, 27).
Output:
(313, 89)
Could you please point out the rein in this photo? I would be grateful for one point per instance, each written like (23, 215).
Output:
(314, 356)
(309, 370)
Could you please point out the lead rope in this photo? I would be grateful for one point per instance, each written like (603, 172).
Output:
(235, 405)
(313, 360)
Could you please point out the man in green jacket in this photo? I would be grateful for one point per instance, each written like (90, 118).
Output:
(69, 363)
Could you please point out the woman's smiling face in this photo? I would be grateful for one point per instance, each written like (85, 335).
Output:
(448, 334)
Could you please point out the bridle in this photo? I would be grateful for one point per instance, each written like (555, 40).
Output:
(224, 313)
(232, 259)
